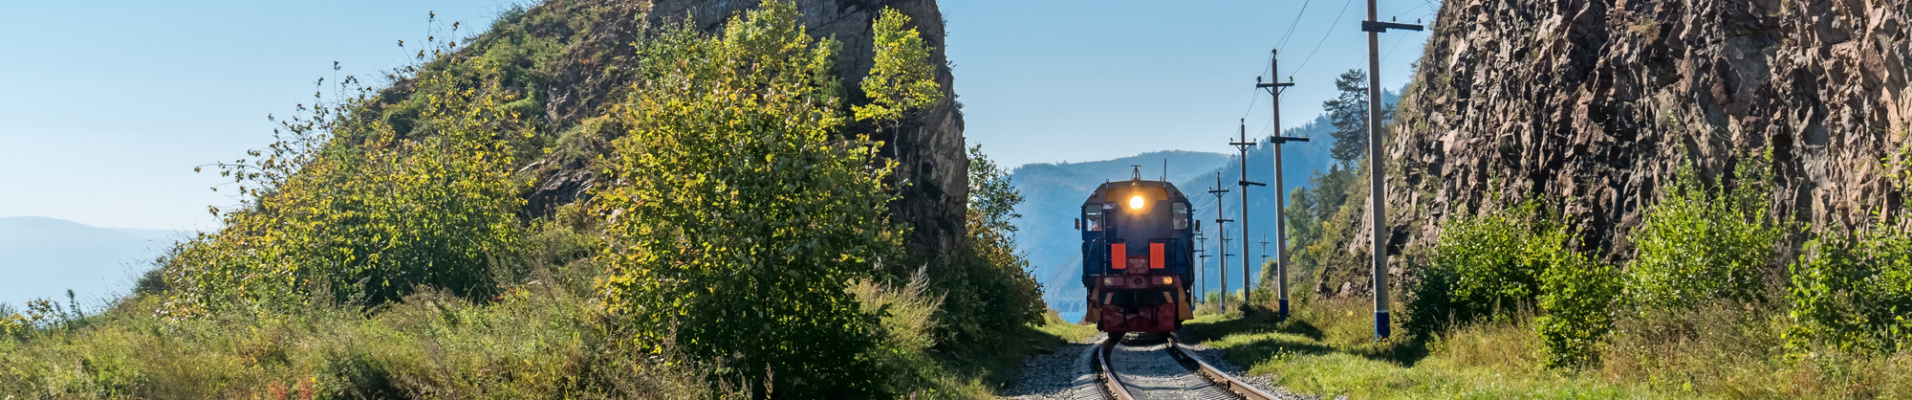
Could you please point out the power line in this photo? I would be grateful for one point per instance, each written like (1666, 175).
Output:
(1424, 3)
(1283, 43)
(1397, 44)
(1324, 34)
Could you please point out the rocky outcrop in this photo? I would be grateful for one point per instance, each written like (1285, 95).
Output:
(1597, 102)
(933, 165)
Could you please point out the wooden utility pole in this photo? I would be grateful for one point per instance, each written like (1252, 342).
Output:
(1274, 87)
(1377, 196)
(1243, 144)
(1221, 231)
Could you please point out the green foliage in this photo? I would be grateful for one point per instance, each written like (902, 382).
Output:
(737, 221)
(1488, 264)
(1701, 244)
(903, 79)
(992, 292)
(12, 324)
(1323, 222)
(363, 222)
(1854, 291)
(1576, 301)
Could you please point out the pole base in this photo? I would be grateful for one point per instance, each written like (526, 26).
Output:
(1381, 325)
(1281, 313)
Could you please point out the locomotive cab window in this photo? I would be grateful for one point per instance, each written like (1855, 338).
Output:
(1092, 216)
(1181, 215)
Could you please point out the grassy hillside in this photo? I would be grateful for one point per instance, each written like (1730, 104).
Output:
(739, 244)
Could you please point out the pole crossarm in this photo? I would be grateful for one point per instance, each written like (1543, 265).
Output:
(1383, 27)
(1286, 139)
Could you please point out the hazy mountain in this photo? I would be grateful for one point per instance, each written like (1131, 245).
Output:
(43, 257)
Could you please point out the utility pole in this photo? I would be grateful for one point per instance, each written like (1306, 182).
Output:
(1221, 230)
(1201, 269)
(1275, 86)
(1243, 144)
(1377, 197)
(1264, 249)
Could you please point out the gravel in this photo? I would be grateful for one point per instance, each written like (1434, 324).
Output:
(1060, 375)
(1064, 374)
(1150, 373)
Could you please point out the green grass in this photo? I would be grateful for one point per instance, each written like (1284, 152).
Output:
(1053, 325)
(1723, 352)
(1327, 349)
(532, 343)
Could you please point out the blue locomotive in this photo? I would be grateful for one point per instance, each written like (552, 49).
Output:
(1138, 256)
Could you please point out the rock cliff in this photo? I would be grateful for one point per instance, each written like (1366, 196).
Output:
(1597, 102)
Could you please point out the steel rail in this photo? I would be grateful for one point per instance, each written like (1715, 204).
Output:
(1215, 376)
(1110, 382)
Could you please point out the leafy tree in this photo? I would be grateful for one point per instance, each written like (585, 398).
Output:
(736, 219)
(903, 79)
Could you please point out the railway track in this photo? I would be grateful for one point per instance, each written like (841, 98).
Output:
(1161, 369)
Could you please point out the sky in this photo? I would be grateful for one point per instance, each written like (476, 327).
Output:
(1050, 81)
(107, 106)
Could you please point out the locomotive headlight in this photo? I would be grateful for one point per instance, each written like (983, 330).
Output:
(1135, 202)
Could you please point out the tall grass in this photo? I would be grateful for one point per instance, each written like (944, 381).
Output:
(535, 342)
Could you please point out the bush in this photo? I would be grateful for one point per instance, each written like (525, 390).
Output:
(1701, 244)
(737, 221)
(1487, 264)
(1854, 291)
(362, 222)
(1576, 302)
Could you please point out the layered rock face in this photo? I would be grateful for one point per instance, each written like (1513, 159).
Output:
(1596, 103)
(933, 165)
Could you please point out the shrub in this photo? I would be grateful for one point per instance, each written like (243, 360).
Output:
(737, 220)
(1854, 291)
(1701, 243)
(1487, 264)
(1576, 302)
(362, 222)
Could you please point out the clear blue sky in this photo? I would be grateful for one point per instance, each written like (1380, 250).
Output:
(107, 106)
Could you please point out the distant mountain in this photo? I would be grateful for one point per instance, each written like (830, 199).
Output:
(1053, 193)
(43, 257)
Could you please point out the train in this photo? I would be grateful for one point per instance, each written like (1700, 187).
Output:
(1138, 256)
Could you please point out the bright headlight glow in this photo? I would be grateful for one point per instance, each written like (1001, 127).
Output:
(1135, 202)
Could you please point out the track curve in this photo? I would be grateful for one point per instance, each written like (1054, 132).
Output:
(1161, 369)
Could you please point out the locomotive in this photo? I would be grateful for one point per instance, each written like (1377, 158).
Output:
(1138, 256)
